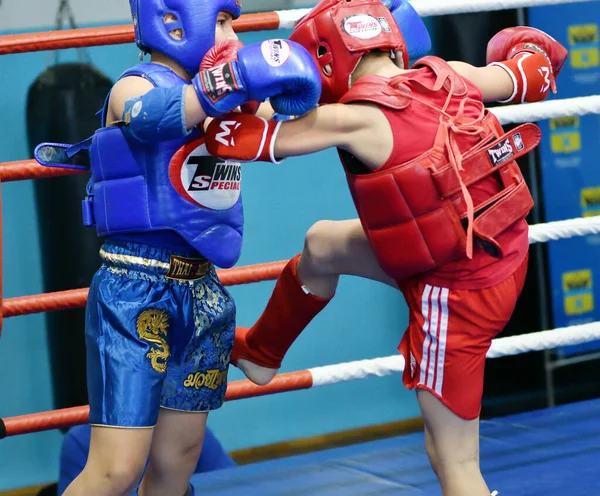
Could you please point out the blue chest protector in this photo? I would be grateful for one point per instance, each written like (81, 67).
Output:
(169, 186)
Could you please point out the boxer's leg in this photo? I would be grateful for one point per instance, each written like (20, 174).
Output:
(127, 322)
(452, 445)
(195, 384)
(115, 462)
(444, 347)
(304, 288)
(335, 248)
(445, 359)
(176, 448)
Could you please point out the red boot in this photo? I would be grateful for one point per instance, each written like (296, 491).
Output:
(289, 310)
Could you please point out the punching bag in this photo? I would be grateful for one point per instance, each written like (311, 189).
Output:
(61, 107)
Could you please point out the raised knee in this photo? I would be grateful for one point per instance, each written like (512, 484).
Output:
(317, 245)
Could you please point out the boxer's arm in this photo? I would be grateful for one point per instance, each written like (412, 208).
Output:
(328, 126)
(134, 87)
(361, 129)
(494, 84)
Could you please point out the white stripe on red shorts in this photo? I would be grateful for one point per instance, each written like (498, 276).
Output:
(434, 308)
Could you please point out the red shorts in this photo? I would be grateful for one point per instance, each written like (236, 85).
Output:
(449, 333)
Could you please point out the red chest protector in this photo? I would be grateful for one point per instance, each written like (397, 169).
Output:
(419, 215)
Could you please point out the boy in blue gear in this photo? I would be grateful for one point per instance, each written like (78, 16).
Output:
(159, 324)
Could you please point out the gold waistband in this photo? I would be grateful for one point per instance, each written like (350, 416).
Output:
(178, 268)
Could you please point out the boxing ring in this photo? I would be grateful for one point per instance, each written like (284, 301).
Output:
(545, 452)
(550, 453)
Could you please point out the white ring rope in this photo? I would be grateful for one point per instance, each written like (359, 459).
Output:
(531, 112)
(289, 18)
(510, 114)
(352, 371)
(544, 340)
(540, 233)
(427, 8)
(512, 345)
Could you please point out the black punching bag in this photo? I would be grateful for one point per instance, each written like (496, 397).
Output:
(464, 37)
(61, 107)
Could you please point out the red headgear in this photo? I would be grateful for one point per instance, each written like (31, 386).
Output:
(340, 32)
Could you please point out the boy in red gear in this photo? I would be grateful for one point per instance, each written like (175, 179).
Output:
(441, 202)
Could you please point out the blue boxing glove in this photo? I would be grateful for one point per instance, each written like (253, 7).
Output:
(280, 70)
(418, 42)
(281, 117)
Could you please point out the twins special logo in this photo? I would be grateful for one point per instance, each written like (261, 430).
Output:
(519, 145)
(275, 52)
(362, 26)
(218, 81)
(205, 180)
(384, 24)
(501, 152)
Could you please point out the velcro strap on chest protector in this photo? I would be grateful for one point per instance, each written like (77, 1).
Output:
(513, 202)
(488, 158)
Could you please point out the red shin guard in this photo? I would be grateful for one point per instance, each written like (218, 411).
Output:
(289, 311)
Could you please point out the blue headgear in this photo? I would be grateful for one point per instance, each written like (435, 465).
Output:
(418, 42)
(196, 18)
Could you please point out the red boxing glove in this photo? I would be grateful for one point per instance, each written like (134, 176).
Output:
(250, 107)
(531, 57)
(221, 54)
(243, 137)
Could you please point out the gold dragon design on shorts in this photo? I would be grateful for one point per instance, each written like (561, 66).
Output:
(152, 325)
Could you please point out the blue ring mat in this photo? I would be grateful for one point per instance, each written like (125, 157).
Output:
(545, 452)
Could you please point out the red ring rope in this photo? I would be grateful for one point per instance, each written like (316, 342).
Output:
(23, 170)
(112, 35)
(76, 298)
(1, 314)
(68, 417)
